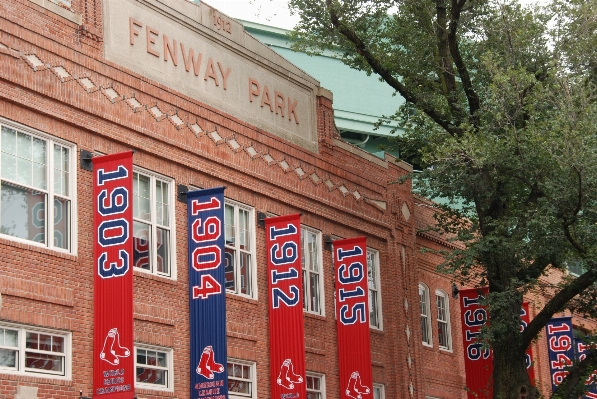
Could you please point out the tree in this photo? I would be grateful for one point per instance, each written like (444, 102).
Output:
(501, 113)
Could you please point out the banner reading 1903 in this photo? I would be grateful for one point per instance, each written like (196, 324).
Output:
(286, 329)
(113, 360)
(352, 318)
(207, 294)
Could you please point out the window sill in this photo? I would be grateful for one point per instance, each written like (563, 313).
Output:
(426, 346)
(37, 378)
(153, 392)
(446, 351)
(56, 9)
(30, 246)
(241, 298)
(314, 315)
(376, 330)
(141, 273)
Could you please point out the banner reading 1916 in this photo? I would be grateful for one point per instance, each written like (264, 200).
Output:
(352, 318)
(207, 294)
(286, 329)
(113, 360)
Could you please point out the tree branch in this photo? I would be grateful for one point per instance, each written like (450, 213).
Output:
(557, 303)
(387, 76)
(472, 97)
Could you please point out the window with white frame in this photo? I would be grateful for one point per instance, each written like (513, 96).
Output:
(424, 307)
(153, 367)
(241, 379)
(378, 391)
(315, 386)
(153, 226)
(311, 263)
(443, 320)
(375, 320)
(37, 175)
(239, 259)
(25, 350)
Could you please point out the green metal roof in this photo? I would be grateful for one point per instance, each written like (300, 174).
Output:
(359, 100)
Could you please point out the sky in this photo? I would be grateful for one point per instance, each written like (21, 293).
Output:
(270, 12)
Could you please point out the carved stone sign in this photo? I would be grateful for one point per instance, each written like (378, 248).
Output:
(199, 52)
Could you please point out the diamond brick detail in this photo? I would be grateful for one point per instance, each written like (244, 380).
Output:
(87, 84)
(329, 183)
(63, 73)
(300, 172)
(134, 103)
(196, 129)
(34, 61)
(234, 144)
(356, 194)
(157, 113)
(176, 120)
(315, 178)
(112, 94)
(215, 136)
(251, 151)
(284, 165)
(343, 190)
(268, 158)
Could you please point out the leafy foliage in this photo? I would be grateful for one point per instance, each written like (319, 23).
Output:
(501, 114)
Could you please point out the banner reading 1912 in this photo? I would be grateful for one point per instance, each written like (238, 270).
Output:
(286, 329)
(113, 360)
(352, 318)
(207, 294)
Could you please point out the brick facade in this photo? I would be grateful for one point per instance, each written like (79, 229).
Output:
(55, 80)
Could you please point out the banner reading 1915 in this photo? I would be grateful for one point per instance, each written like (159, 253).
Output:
(352, 318)
(207, 294)
(113, 360)
(286, 329)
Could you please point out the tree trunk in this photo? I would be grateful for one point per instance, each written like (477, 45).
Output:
(511, 380)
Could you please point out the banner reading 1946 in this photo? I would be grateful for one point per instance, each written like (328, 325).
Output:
(207, 294)
(286, 329)
(113, 360)
(352, 318)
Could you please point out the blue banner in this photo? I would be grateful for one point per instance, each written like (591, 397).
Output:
(582, 346)
(207, 294)
(559, 348)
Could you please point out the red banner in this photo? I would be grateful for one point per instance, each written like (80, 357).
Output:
(352, 318)
(525, 319)
(113, 354)
(478, 362)
(286, 329)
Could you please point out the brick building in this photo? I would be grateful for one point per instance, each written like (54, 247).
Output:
(203, 104)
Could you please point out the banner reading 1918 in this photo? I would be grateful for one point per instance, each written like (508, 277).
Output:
(352, 318)
(286, 329)
(207, 294)
(113, 360)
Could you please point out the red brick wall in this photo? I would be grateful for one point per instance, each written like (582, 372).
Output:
(44, 288)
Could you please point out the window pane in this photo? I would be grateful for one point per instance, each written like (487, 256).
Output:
(9, 141)
(32, 341)
(314, 291)
(243, 227)
(245, 273)
(23, 146)
(10, 338)
(24, 172)
(373, 308)
(151, 376)
(58, 344)
(424, 330)
(313, 255)
(239, 386)
(61, 223)
(229, 268)
(141, 356)
(8, 358)
(441, 333)
(163, 265)
(141, 192)
(161, 196)
(60, 170)
(9, 166)
(44, 362)
(161, 359)
(141, 233)
(229, 221)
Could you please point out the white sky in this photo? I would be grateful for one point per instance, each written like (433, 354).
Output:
(271, 12)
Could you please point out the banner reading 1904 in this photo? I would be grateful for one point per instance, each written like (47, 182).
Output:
(207, 294)
(113, 360)
(286, 329)
(352, 318)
